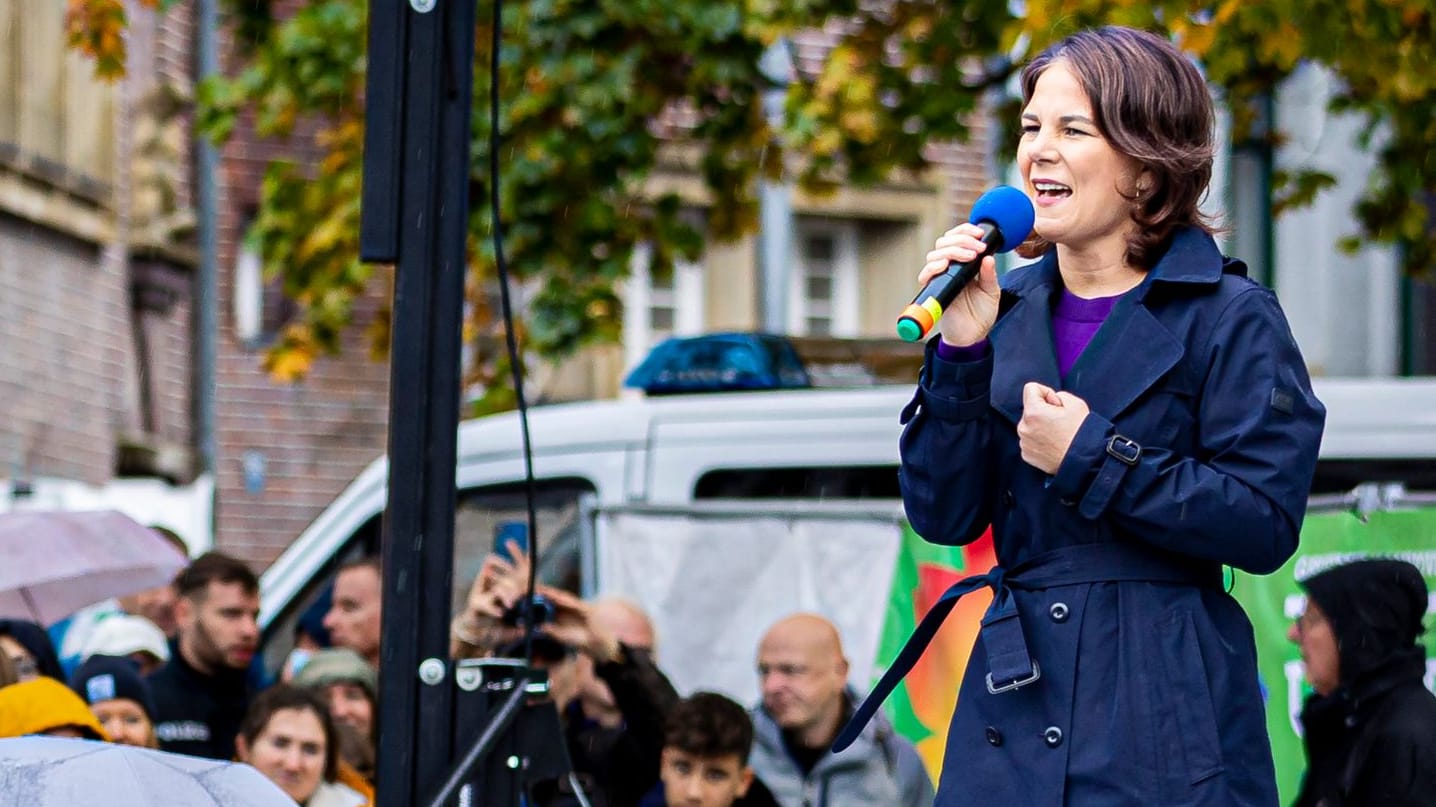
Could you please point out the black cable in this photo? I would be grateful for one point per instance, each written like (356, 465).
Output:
(515, 365)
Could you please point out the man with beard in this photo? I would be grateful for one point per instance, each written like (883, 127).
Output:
(202, 693)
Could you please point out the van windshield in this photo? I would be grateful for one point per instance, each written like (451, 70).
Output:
(564, 518)
(563, 529)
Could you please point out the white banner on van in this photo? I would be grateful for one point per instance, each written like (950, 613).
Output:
(714, 585)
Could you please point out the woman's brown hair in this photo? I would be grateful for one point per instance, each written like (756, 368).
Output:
(1152, 104)
(283, 696)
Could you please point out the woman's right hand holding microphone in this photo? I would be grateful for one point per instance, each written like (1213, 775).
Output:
(972, 313)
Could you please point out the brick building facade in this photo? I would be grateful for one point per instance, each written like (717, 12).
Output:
(95, 271)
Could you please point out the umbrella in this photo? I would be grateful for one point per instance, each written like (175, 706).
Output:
(60, 772)
(53, 564)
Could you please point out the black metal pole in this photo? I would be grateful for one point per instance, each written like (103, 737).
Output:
(435, 54)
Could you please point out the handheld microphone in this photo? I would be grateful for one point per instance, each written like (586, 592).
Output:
(1005, 215)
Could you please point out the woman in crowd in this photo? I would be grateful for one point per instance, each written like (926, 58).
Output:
(30, 651)
(119, 698)
(346, 682)
(289, 737)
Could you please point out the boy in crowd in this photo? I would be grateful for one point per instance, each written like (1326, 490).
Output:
(706, 743)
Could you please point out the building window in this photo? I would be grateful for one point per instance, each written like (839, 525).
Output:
(260, 307)
(824, 285)
(656, 307)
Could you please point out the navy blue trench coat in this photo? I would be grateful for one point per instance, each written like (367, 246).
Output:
(1199, 452)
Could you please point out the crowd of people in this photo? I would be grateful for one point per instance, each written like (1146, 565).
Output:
(630, 736)
(175, 669)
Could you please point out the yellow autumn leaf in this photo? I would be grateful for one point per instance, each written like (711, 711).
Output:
(827, 143)
(322, 238)
(861, 123)
(1197, 39)
(292, 358)
(1285, 43)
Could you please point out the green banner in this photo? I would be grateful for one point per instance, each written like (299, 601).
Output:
(1273, 602)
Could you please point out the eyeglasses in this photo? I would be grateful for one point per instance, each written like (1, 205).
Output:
(1309, 620)
(25, 668)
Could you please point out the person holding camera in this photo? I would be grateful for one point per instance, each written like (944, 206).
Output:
(611, 696)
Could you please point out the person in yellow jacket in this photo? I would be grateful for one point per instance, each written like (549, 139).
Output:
(45, 706)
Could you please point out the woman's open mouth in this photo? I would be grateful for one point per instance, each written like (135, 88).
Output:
(1050, 191)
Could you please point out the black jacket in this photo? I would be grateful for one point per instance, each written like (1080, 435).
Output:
(1373, 740)
(198, 714)
(616, 767)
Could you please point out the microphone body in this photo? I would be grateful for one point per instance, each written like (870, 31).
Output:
(1005, 216)
(922, 314)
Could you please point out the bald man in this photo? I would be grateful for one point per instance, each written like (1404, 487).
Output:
(803, 674)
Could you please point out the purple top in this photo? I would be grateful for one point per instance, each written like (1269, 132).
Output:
(1074, 322)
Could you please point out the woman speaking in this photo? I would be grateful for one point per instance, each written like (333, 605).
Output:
(1128, 414)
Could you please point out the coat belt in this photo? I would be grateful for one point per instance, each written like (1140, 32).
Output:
(1009, 664)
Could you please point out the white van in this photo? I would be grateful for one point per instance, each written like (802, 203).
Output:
(821, 448)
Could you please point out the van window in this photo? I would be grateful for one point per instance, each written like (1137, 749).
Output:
(822, 482)
(564, 529)
(279, 635)
(563, 526)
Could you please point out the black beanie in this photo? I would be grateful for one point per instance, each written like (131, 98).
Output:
(103, 678)
(1375, 608)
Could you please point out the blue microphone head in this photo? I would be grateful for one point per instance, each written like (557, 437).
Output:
(1010, 210)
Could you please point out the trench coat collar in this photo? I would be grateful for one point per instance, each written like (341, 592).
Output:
(1129, 353)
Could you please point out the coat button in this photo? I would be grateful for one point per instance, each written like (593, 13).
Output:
(1008, 500)
(1058, 611)
(1052, 736)
(994, 737)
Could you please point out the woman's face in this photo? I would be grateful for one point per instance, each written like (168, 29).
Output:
(290, 750)
(1320, 652)
(125, 722)
(349, 703)
(26, 668)
(1076, 179)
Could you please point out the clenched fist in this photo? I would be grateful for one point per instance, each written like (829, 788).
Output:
(1050, 420)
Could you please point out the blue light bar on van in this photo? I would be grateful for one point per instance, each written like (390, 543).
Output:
(723, 362)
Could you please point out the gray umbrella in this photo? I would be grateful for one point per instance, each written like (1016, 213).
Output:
(58, 772)
(55, 563)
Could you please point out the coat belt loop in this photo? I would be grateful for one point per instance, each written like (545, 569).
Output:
(1009, 664)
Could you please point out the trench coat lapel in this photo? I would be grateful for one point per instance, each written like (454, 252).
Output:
(1130, 353)
(1133, 350)
(1022, 342)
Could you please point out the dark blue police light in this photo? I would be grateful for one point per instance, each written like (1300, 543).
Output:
(723, 362)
